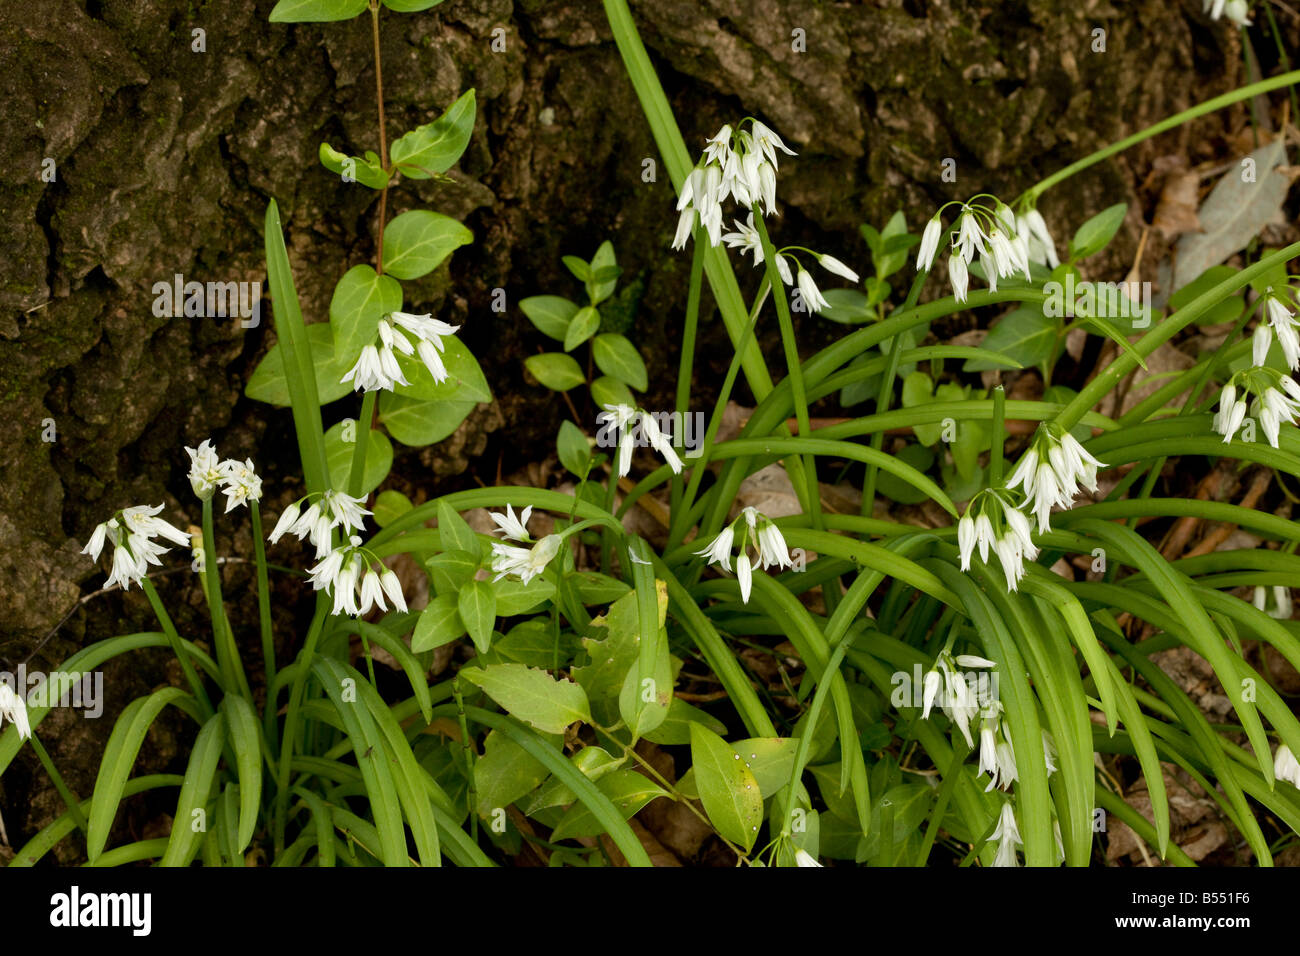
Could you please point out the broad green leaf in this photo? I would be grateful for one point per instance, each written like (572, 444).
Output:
(644, 705)
(628, 790)
(573, 449)
(769, 759)
(515, 597)
(592, 587)
(434, 147)
(584, 325)
(439, 624)
(353, 169)
(604, 274)
(410, 6)
(895, 488)
(316, 11)
(1025, 335)
(846, 306)
(533, 642)
(618, 358)
(451, 570)
(339, 452)
(1225, 310)
(464, 380)
(389, 506)
(727, 789)
(895, 242)
(415, 421)
(676, 729)
(268, 384)
(578, 266)
(533, 696)
(360, 300)
(592, 762)
(612, 644)
(551, 314)
(477, 605)
(416, 242)
(607, 390)
(555, 370)
(918, 389)
(504, 774)
(1095, 234)
(453, 531)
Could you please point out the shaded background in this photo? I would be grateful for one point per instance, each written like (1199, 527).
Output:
(166, 159)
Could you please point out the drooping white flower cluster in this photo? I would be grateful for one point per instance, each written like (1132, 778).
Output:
(747, 239)
(1279, 321)
(629, 422)
(740, 164)
(1002, 242)
(1007, 835)
(524, 563)
(756, 531)
(1281, 597)
(14, 709)
(132, 532)
(1051, 471)
(993, 522)
(1285, 766)
(1276, 401)
(997, 757)
(1237, 11)
(378, 368)
(238, 480)
(357, 580)
(947, 685)
(333, 509)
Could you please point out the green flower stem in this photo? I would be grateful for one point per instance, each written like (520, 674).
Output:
(232, 671)
(357, 474)
(178, 649)
(885, 396)
(291, 718)
(794, 369)
(999, 437)
(263, 594)
(1209, 106)
(69, 799)
(681, 522)
(663, 126)
(1126, 361)
(611, 495)
(1282, 57)
(686, 367)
